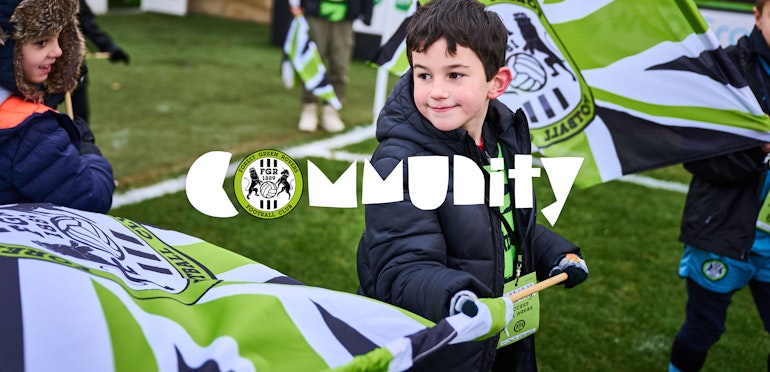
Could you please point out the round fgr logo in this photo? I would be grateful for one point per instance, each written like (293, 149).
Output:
(714, 269)
(519, 325)
(268, 184)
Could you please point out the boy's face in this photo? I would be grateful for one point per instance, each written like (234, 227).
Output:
(37, 58)
(452, 91)
(762, 20)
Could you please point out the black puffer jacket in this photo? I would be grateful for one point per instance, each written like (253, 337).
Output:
(723, 201)
(418, 259)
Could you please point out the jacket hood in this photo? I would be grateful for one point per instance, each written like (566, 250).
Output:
(400, 119)
(30, 20)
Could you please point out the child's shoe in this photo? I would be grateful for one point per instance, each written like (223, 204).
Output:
(331, 120)
(308, 121)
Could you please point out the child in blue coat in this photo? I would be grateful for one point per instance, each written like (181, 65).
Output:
(44, 155)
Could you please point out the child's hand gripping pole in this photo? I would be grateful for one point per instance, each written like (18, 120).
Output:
(556, 279)
(480, 318)
(465, 301)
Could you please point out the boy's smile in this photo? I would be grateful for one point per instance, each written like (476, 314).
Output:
(452, 91)
(38, 57)
(46, 69)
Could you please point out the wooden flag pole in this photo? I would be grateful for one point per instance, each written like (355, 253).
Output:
(98, 55)
(556, 279)
(68, 105)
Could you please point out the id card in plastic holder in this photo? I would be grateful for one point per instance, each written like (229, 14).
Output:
(526, 312)
(763, 218)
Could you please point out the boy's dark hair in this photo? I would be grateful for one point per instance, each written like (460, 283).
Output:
(459, 22)
(760, 5)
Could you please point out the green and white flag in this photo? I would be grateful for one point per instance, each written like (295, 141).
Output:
(392, 55)
(301, 55)
(91, 292)
(627, 85)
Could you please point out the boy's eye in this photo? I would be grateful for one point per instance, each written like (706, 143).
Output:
(41, 43)
(423, 76)
(455, 75)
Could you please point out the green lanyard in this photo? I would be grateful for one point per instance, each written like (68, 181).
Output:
(526, 310)
(505, 212)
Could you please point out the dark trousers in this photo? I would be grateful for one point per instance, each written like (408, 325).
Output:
(334, 41)
(705, 322)
(80, 100)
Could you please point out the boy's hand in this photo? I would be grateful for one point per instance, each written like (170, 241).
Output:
(87, 139)
(86, 134)
(575, 268)
(462, 299)
(490, 315)
(119, 55)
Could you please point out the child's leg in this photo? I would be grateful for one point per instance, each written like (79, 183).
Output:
(702, 328)
(760, 287)
(761, 292)
(338, 56)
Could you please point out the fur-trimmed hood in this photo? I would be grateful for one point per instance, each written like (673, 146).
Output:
(29, 20)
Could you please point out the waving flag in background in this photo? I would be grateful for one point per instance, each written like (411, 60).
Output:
(627, 85)
(392, 55)
(301, 55)
(91, 292)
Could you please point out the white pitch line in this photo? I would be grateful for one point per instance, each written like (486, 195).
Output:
(655, 183)
(325, 149)
(157, 190)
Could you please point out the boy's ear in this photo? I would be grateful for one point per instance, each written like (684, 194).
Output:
(500, 82)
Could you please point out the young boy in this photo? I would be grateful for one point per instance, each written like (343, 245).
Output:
(104, 43)
(424, 260)
(726, 221)
(44, 155)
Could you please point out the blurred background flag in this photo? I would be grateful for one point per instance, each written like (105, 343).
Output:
(301, 56)
(91, 292)
(627, 85)
(392, 54)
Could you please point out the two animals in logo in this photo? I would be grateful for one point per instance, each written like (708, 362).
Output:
(268, 189)
(530, 73)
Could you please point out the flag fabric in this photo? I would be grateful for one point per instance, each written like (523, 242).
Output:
(392, 55)
(627, 85)
(301, 56)
(91, 292)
